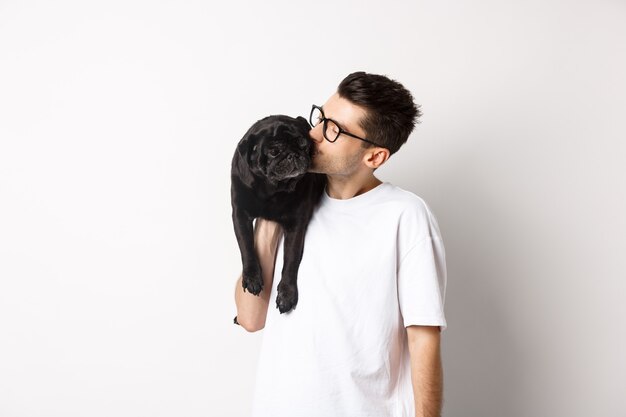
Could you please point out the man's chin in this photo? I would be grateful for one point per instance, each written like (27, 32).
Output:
(315, 167)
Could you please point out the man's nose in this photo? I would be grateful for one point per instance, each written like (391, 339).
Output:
(316, 134)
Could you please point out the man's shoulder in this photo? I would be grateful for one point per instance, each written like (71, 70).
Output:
(416, 219)
(405, 198)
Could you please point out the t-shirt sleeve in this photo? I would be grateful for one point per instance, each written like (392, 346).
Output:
(422, 283)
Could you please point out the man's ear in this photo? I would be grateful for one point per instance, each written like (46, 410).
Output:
(375, 157)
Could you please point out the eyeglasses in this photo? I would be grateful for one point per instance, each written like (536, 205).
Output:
(331, 128)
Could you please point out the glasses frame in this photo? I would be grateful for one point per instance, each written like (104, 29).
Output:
(325, 122)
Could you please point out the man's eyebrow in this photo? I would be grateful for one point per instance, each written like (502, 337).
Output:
(342, 125)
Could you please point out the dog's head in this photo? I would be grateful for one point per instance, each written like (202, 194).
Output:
(275, 150)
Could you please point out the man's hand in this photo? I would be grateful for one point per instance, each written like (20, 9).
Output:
(426, 369)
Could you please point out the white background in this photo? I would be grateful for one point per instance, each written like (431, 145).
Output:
(118, 260)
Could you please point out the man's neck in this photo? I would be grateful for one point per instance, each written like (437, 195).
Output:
(342, 188)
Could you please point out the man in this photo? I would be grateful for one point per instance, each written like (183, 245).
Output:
(364, 338)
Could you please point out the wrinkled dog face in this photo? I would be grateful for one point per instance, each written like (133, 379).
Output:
(279, 150)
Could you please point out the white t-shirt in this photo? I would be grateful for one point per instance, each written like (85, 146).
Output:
(372, 265)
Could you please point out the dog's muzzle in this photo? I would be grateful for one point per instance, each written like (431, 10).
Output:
(290, 166)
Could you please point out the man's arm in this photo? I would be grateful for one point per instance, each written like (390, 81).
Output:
(426, 369)
(252, 309)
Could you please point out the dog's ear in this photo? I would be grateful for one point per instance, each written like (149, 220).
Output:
(245, 148)
(303, 121)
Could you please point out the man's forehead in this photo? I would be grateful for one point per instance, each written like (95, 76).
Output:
(343, 112)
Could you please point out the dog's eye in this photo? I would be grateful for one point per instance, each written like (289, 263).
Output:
(273, 152)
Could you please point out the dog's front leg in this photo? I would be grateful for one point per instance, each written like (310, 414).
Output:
(252, 280)
(287, 297)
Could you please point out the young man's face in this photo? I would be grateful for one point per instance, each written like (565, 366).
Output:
(344, 156)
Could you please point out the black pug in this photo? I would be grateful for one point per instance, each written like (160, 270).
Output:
(269, 179)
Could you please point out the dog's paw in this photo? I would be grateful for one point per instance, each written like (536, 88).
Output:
(252, 280)
(287, 297)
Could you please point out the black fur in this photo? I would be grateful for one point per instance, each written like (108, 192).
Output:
(269, 179)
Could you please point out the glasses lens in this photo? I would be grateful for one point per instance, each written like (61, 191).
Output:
(316, 116)
(332, 131)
